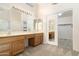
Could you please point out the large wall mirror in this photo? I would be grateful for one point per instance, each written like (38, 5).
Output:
(21, 21)
(38, 25)
(16, 20)
(4, 20)
(51, 28)
(28, 22)
(24, 21)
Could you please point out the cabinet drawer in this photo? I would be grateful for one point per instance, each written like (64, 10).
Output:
(18, 37)
(38, 35)
(30, 36)
(5, 53)
(4, 47)
(37, 43)
(39, 38)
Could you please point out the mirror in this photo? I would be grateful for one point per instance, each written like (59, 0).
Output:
(28, 22)
(15, 20)
(21, 21)
(38, 25)
(4, 21)
(24, 21)
(51, 26)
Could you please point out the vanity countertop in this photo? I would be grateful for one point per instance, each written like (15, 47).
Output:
(17, 33)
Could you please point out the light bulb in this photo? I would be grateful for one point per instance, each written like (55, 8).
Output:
(60, 14)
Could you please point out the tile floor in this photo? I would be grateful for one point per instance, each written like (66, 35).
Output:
(65, 43)
(48, 50)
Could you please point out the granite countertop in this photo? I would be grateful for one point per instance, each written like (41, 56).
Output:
(16, 33)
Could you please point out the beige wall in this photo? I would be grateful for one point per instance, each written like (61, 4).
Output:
(44, 12)
(45, 9)
(21, 6)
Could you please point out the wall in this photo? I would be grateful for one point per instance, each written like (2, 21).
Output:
(65, 31)
(46, 9)
(65, 20)
(22, 6)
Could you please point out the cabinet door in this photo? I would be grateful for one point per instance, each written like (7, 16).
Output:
(38, 39)
(5, 49)
(18, 46)
(5, 53)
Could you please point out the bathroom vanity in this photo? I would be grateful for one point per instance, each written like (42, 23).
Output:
(12, 44)
(16, 27)
(35, 39)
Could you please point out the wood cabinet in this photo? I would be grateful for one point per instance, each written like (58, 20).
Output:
(5, 53)
(18, 46)
(11, 45)
(36, 40)
(5, 49)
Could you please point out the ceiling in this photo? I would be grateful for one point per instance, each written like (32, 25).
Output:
(66, 13)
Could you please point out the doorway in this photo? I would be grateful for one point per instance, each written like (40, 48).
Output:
(65, 29)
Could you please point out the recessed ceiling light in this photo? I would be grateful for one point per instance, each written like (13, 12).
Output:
(60, 14)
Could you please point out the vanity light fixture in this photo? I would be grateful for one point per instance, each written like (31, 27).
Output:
(18, 9)
(28, 13)
(30, 4)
